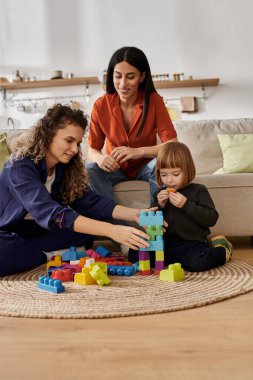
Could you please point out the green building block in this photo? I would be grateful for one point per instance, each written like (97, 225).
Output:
(154, 231)
(174, 273)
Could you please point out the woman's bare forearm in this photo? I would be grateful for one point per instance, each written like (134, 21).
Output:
(91, 227)
(152, 151)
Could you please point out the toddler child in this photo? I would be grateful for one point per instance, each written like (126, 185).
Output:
(189, 211)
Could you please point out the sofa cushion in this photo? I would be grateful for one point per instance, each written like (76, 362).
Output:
(237, 153)
(236, 180)
(134, 194)
(201, 138)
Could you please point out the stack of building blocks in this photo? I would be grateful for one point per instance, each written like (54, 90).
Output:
(154, 223)
(174, 273)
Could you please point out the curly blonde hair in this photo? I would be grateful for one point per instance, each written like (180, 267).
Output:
(37, 140)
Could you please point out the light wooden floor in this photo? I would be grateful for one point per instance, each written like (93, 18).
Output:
(212, 342)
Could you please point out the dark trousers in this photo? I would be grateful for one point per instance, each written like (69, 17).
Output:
(22, 248)
(194, 256)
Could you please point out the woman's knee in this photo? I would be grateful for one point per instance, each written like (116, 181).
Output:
(92, 168)
(18, 254)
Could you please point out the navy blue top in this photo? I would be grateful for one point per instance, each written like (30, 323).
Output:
(22, 191)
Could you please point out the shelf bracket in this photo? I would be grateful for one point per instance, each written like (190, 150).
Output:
(4, 93)
(203, 91)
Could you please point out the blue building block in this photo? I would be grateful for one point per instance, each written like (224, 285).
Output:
(120, 270)
(102, 251)
(81, 254)
(155, 245)
(50, 285)
(151, 218)
(136, 267)
(73, 255)
(50, 269)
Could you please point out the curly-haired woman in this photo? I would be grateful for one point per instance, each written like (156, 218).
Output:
(46, 203)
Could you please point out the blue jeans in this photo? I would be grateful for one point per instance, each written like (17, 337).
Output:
(102, 182)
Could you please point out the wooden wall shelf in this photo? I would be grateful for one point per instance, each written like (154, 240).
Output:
(49, 83)
(184, 83)
(187, 83)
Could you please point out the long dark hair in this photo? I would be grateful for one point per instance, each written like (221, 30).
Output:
(36, 142)
(134, 57)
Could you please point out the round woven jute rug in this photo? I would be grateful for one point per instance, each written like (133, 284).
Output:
(125, 296)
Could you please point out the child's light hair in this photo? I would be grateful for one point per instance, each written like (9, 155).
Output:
(175, 155)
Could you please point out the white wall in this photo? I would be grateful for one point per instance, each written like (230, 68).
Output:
(202, 38)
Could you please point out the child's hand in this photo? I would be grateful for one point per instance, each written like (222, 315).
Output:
(162, 198)
(177, 199)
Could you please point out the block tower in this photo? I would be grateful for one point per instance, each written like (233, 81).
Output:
(154, 223)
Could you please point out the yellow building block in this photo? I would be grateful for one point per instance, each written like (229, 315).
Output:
(174, 273)
(144, 265)
(84, 277)
(159, 255)
(56, 262)
(99, 276)
(102, 266)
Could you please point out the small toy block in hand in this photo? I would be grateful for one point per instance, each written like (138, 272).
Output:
(151, 218)
(174, 273)
(171, 190)
(50, 285)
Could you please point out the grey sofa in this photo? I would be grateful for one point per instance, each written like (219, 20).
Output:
(232, 193)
